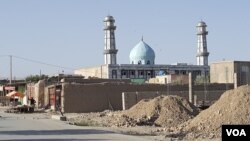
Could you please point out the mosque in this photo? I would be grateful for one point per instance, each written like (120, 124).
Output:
(142, 63)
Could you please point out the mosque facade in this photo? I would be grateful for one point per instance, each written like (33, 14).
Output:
(142, 58)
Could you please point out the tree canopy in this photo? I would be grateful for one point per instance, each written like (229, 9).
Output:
(36, 78)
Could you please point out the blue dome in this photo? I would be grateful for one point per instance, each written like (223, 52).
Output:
(142, 53)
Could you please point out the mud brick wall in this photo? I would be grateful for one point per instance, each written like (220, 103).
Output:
(99, 97)
(129, 99)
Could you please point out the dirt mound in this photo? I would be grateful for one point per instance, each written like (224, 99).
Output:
(166, 111)
(232, 108)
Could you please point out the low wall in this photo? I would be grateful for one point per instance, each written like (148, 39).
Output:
(95, 80)
(98, 97)
(129, 99)
(90, 98)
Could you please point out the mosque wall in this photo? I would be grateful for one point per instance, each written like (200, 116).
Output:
(125, 71)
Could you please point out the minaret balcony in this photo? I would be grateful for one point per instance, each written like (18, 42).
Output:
(110, 51)
(202, 54)
(109, 27)
(202, 32)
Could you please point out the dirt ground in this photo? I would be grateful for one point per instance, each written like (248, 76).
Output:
(233, 107)
(169, 117)
(173, 117)
(154, 117)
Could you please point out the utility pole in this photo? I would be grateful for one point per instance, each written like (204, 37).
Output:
(226, 69)
(10, 69)
(235, 81)
(205, 87)
(191, 82)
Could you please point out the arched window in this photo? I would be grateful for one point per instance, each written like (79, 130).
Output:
(139, 62)
(148, 62)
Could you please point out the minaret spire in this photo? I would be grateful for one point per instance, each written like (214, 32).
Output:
(110, 50)
(202, 53)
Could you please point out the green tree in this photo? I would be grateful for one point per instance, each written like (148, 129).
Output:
(35, 78)
(201, 79)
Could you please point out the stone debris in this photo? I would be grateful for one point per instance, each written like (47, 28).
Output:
(233, 107)
(162, 111)
(175, 116)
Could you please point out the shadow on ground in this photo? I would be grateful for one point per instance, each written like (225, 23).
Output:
(56, 132)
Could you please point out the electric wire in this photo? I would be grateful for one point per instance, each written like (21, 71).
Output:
(38, 62)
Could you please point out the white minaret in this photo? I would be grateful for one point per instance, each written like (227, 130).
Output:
(110, 50)
(202, 54)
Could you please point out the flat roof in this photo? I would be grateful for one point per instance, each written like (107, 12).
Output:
(230, 61)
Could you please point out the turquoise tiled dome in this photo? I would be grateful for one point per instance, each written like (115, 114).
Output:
(142, 53)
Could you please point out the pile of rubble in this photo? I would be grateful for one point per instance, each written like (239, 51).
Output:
(162, 111)
(176, 117)
(233, 107)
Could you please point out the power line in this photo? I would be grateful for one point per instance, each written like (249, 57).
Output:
(43, 63)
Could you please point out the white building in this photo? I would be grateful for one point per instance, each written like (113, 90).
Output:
(169, 79)
(142, 59)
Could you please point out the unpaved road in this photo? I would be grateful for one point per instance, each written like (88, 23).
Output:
(39, 127)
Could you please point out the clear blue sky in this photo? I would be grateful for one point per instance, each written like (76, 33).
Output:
(69, 33)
